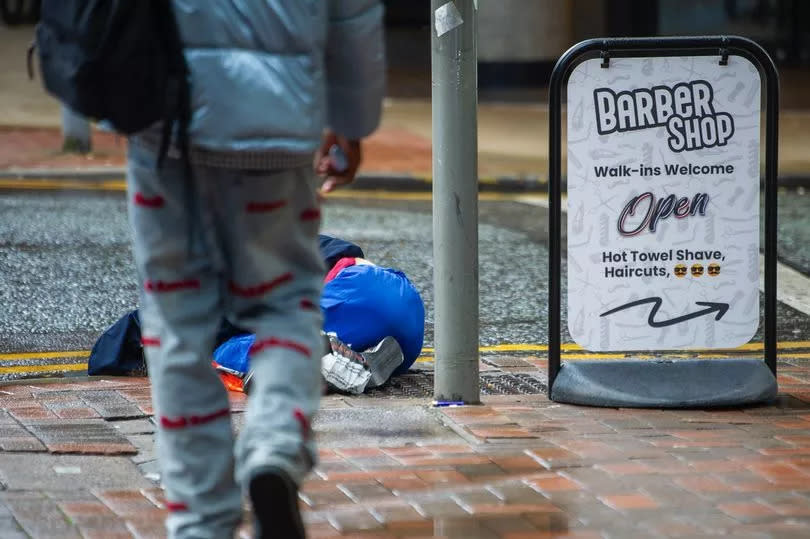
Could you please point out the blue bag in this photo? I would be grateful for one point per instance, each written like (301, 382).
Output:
(362, 305)
(365, 303)
(233, 353)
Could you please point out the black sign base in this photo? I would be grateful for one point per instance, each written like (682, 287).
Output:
(665, 383)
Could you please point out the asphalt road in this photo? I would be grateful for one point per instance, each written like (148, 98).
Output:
(66, 271)
(794, 229)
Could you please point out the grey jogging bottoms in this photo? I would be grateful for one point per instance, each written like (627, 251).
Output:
(241, 244)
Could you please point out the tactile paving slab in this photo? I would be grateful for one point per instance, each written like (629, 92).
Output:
(81, 436)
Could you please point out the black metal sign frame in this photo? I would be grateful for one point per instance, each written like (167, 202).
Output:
(720, 46)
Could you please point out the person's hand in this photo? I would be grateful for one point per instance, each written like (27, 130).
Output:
(328, 166)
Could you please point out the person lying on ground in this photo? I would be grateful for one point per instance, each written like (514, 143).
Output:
(374, 323)
(373, 327)
(342, 369)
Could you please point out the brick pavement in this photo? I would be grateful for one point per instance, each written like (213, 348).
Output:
(522, 467)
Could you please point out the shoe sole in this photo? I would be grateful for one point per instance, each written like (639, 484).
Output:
(344, 375)
(274, 497)
(383, 360)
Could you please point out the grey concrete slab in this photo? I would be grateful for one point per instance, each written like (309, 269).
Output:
(374, 422)
(64, 472)
(150, 471)
(133, 426)
(378, 426)
(145, 444)
(111, 405)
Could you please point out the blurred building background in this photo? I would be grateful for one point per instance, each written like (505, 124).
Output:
(519, 40)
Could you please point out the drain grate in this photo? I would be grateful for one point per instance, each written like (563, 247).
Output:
(420, 385)
(512, 384)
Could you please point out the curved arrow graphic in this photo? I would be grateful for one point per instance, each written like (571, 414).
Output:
(711, 307)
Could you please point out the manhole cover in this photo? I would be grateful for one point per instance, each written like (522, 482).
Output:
(420, 385)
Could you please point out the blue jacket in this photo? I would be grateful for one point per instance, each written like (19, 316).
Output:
(269, 75)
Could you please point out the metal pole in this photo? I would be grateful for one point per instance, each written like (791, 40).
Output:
(454, 61)
(75, 132)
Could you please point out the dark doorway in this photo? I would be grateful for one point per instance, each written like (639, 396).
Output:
(407, 26)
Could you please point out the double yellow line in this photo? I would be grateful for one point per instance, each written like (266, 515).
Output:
(574, 351)
(569, 351)
(71, 185)
(49, 367)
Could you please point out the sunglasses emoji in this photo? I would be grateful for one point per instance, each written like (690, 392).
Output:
(697, 270)
(680, 270)
(713, 269)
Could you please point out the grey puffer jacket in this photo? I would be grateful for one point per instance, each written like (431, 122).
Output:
(268, 75)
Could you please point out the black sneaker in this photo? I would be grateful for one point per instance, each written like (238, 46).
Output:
(274, 496)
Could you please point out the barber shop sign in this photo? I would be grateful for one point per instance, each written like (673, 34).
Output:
(663, 203)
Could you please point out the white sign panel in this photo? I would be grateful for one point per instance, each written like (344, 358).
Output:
(663, 203)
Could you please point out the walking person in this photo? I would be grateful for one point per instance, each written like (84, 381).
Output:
(272, 84)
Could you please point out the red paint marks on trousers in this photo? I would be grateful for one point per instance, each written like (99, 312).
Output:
(171, 286)
(156, 201)
(261, 288)
(275, 342)
(181, 422)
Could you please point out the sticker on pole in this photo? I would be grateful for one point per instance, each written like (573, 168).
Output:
(663, 203)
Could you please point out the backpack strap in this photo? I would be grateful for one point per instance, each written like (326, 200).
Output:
(184, 120)
(166, 134)
(29, 59)
(178, 110)
(178, 106)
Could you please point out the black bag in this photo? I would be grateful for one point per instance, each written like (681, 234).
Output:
(117, 60)
(333, 249)
(118, 351)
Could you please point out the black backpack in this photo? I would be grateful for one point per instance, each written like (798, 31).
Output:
(117, 60)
